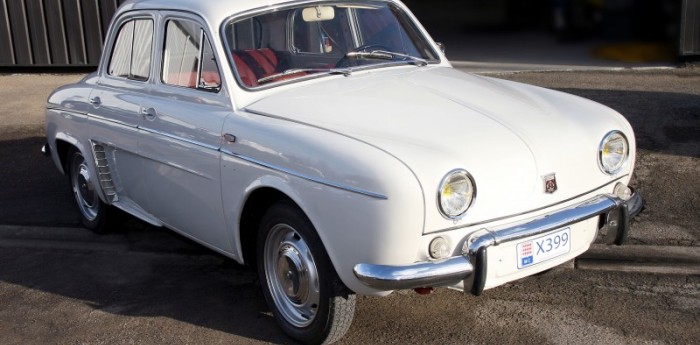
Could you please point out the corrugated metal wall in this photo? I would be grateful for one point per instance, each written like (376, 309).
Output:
(53, 32)
(71, 32)
(690, 28)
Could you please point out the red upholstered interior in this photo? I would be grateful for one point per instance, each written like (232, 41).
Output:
(255, 64)
(186, 79)
(211, 78)
(189, 79)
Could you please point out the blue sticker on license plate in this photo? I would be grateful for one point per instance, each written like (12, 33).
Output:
(532, 252)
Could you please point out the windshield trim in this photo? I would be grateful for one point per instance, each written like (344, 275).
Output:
(291, 4)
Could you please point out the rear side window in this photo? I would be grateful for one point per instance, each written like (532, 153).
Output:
(131, 56)
(188, 58)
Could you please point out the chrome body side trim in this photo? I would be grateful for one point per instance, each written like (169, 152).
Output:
(305, 177)
(178, 138)
(50, 106)
(109, 120)
(470, 267)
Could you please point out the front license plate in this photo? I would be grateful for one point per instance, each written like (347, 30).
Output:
(532, 252)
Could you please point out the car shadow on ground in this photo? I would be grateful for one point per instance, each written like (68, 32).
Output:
(171, 278)
(33, 190)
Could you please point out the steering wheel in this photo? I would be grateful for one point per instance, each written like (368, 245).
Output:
(345, 60)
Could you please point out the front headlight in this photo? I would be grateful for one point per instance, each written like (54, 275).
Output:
(456, 193)
(613, 152)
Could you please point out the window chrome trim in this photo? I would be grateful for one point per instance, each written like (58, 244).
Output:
(305, 177)
(294, 3)
(111, 41)
(175, 15)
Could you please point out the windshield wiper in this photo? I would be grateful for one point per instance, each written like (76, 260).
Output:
(387, 55)
(344, 71)
(380, 55)
(412, 59)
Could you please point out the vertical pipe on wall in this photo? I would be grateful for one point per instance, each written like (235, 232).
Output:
(7, 49)
(20, 31)
(58, 43)
(38, 34)
(690, 28)
(76, 32)
(93, 30)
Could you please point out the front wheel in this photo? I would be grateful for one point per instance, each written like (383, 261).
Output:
(299, 283)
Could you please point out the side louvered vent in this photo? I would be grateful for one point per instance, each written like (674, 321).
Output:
(105, 176)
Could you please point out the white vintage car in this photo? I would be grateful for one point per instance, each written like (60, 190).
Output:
(332, 144)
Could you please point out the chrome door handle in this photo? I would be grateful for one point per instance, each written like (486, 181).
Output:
(95, 101)
(229, 138)
(148, 113)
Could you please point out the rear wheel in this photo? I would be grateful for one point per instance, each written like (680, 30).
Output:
(299, 283)
(93, 212)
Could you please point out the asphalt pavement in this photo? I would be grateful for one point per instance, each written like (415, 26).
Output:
(663, 106)
(108, 287)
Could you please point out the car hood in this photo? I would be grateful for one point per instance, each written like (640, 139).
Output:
(509, 136)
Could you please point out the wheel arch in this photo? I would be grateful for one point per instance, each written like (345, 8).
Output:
(255, 206)
(258, 202)
(62, 146)
(62, 149)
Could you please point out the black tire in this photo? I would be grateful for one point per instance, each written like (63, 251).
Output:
(94, 214)
(302, 289)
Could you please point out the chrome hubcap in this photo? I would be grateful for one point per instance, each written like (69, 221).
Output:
(291, 275)
(84, 188)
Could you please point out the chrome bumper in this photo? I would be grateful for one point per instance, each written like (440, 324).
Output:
(470, 267)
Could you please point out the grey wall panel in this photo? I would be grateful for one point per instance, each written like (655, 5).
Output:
(20, 31)
(73, 16)
(93, 30)
(54, 32)
(7, 54)
(38, 34)
(690, 28)
(58, 43)
(108, 8)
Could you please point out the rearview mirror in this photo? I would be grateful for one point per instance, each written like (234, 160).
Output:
(318, 14)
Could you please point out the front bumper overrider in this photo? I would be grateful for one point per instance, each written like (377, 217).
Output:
(470, 267)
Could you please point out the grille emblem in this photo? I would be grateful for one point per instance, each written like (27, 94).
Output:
(550, 184)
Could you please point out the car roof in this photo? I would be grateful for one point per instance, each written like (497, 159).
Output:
(213, 11)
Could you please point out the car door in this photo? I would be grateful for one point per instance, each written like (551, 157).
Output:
(116, 112)
(181, 133)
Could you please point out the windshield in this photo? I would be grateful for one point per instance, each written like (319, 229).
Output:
(322, 39)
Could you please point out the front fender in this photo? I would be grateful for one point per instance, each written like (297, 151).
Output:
(366, 205)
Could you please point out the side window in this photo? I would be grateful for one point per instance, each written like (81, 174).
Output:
(131, 56)
(188, 58)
